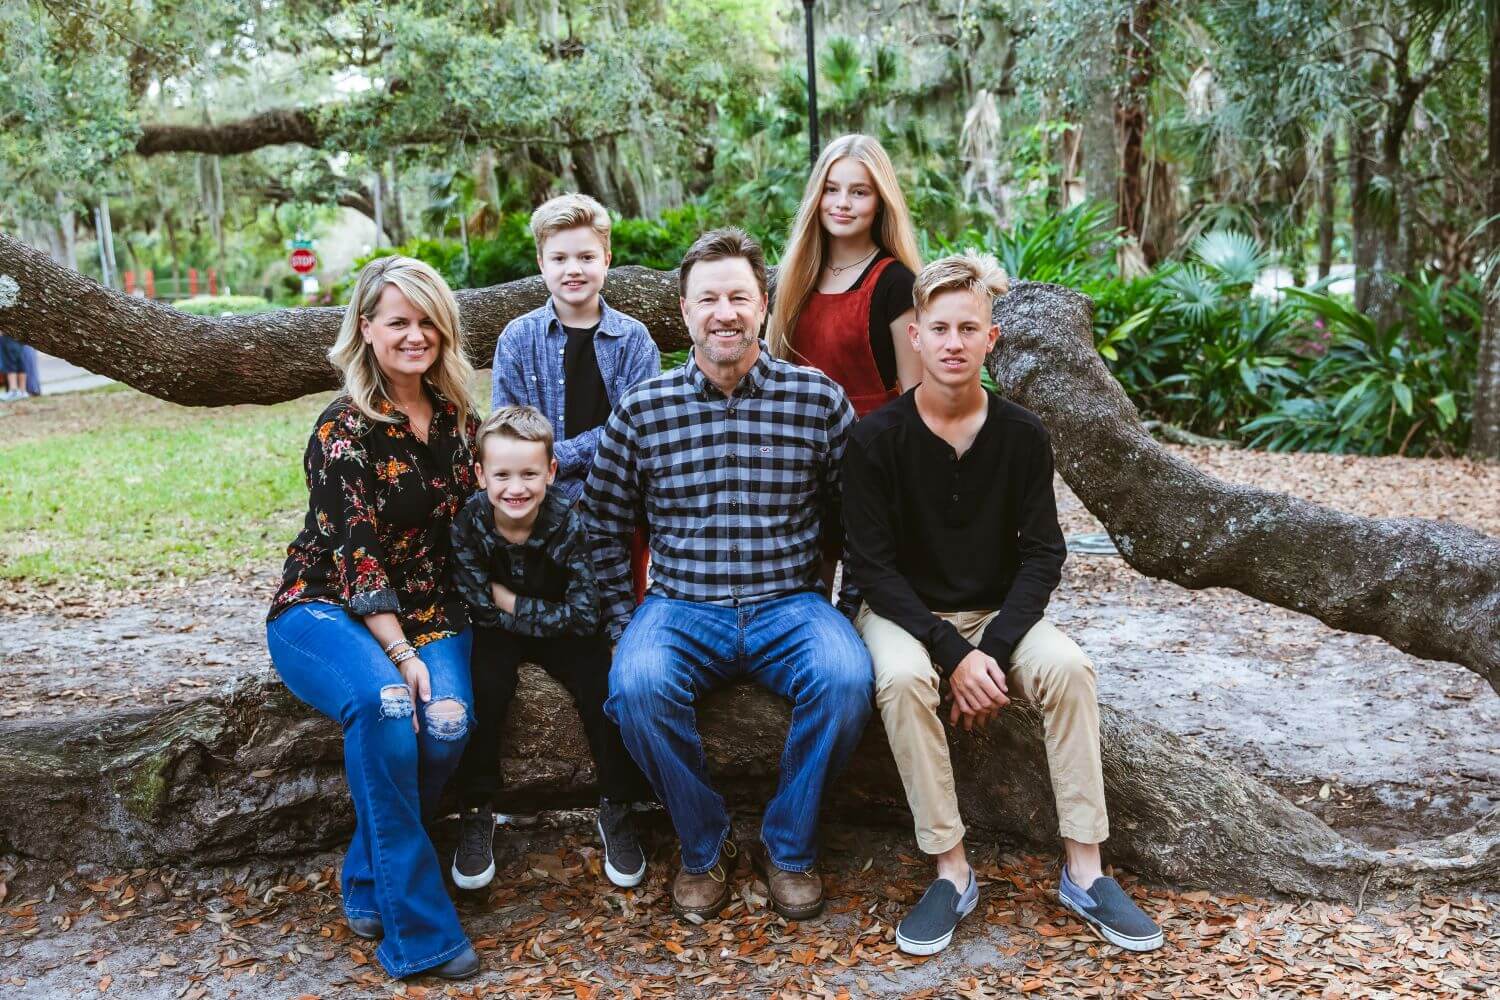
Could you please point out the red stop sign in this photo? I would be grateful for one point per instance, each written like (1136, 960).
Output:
(304, 261)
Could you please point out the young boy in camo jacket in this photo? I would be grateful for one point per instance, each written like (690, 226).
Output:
(523, 565)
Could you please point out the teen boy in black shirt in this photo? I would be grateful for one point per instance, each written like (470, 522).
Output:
(953, 542)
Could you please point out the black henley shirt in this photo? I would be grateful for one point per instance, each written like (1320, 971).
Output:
(928, 531)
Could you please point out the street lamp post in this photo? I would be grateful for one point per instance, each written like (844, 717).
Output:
(812, 85)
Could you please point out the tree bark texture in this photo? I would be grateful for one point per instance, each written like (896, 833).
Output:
(253, 771)
(1138, 66)
(1484, 439)
(269, 128)
(1327, 191)
(1429, 588)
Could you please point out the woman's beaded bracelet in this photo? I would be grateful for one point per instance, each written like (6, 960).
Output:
(390, 646)
(404, 655)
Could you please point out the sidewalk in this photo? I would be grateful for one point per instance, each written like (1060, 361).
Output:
(60, 376)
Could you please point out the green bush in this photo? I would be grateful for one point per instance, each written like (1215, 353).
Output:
(1074, 247)
(224, 305)
(1403, 389)
(1193, 347)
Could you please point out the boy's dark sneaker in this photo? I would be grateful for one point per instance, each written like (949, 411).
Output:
(624, 861)
(1107, 908)
(928, 927)
(474, 861)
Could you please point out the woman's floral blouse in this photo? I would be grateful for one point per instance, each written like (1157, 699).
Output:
(378, 516)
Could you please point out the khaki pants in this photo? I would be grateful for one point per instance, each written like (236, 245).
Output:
(1046, 668)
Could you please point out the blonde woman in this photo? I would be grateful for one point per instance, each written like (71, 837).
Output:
(843, 290)
(366, 628)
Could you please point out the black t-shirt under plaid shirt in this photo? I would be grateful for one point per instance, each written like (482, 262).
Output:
(738, 494)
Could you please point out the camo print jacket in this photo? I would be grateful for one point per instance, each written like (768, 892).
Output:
(552, 572)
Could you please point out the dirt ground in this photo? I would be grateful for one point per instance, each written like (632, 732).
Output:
(550, 926)
(1385, 747)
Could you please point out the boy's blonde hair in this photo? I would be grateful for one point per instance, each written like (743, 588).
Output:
(519, 423)
(569, 211)
(969, 271)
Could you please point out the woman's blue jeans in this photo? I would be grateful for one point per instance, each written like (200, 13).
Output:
(798, 646)
(331, 661)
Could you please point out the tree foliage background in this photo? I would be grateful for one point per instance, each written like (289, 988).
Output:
(1096, 142)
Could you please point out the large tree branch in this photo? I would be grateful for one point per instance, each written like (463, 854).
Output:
(1428, 588)
(284, 126)
(253, 771)
(278, 127)
(356, 197)
(265, 358)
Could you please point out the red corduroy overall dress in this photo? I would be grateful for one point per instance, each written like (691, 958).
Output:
(833, 336)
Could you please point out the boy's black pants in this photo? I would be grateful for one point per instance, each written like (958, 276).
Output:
(580, 664)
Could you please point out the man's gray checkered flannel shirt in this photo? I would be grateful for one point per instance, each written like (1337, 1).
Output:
(739, 494)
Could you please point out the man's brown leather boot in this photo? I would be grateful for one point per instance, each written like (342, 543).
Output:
(706, 893)
(794, 895)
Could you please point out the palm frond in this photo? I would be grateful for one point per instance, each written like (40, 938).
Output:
(1237, 257)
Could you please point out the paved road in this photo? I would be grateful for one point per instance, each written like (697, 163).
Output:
(60, 376)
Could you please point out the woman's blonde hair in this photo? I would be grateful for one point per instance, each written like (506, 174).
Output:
(797, 275)
(450, 376)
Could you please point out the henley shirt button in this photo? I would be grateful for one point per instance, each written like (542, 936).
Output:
(955, 498)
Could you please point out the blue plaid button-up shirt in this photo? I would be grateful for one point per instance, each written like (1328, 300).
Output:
(739, 493)
(529, 370)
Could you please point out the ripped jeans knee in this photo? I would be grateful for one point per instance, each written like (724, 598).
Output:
(446, 719)
(395, 702)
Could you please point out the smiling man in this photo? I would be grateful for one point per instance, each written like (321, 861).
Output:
(732, 460)
(954, 544)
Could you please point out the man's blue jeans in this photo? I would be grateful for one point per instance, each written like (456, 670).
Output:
(797, 646)
(331, 661)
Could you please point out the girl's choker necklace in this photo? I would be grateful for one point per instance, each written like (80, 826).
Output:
(836, 270)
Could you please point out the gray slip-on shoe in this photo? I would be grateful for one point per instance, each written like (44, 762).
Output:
(928, 927)
(1111, 912)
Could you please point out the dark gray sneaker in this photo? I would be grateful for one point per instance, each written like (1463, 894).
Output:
(929, 926)
(474, 861)
(624, 861)
(1107, 908)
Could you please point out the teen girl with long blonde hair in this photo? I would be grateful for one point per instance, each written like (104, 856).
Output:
(843, 290)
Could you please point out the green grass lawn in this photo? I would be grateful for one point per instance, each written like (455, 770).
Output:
(115, 487)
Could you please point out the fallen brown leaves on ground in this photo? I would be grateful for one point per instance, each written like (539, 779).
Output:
(550, 927)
